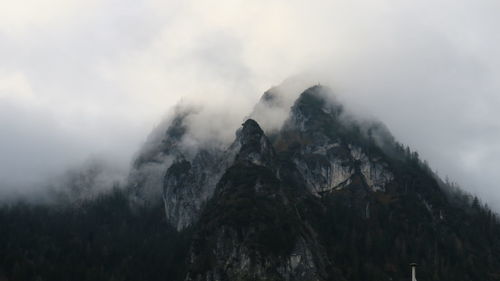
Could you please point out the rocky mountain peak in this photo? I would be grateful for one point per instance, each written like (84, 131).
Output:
(318, 100)
(316, 110)
(164, 139)
(250, 130)
(159, 151)
(255, 146)
(325, 197)
(271, 98)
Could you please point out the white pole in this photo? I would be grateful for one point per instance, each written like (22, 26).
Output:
(413, 271)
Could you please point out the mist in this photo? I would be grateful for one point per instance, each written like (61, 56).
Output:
(86, 79)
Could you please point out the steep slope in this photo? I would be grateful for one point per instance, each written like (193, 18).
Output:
(156, 155)
(181, 177)
(319, 195)
(252, 229)
(332, 198)
(188, 184)
(327, 150)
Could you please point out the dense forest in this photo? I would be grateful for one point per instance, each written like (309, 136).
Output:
(108, 238)
(97, 239)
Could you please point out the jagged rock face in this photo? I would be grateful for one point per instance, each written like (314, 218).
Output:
(183, 178)
(323, 159)
(189, 184)
(251, 229)
(322, 150)
(375, 171)
(266, 210)
(255, 147)
(274, 105)
(158, 153)
(235, 261)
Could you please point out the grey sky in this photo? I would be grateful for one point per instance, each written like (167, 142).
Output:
(86, 78)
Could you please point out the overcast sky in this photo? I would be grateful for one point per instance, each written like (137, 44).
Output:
(80, 79)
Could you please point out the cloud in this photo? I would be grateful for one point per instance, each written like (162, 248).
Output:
(14, 86)
(94, 77)
(18, 17)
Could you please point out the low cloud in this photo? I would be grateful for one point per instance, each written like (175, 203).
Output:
(94, 78)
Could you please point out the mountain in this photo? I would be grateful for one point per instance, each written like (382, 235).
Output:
(325, 195)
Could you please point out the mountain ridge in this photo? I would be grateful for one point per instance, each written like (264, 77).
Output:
(323, 196)
(325, 157)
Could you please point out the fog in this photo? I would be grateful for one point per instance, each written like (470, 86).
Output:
(85, 79)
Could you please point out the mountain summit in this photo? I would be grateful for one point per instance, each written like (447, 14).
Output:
(325, 197)
(311, 193)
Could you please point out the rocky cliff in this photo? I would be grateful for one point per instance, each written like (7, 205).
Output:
(304, 191)
(323, 197)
